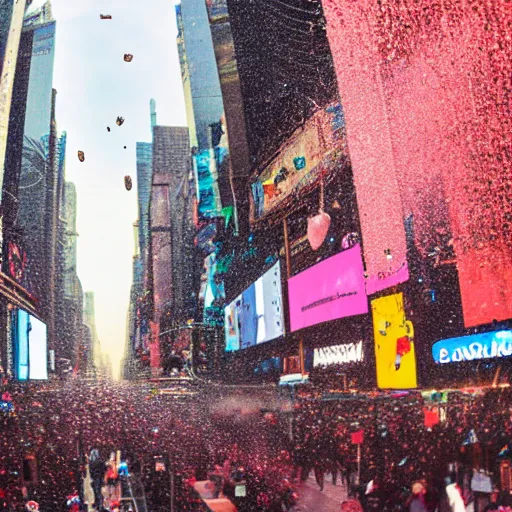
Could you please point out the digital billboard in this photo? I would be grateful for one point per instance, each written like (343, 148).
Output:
(394, 344)
(332, 289)
(38, 349)
(256, 316)
(487, 345)
(338, 354)
(21, 350)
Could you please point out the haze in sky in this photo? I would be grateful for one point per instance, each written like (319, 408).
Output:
(94, 86)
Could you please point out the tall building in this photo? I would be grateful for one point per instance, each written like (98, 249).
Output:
(32, 161)
(11, 23)
(170, 234)
(199, 70)
(90, 322)
(144, 154)
(69, 308)
(38, 12)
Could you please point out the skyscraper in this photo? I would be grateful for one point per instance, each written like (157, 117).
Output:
(170, 237)
(11, 22)
(144, 154)
(199, 68)
(90, 322)
(31, 164)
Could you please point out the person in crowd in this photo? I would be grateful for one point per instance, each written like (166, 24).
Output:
(455, 498)
(417, 503)
(97, 468)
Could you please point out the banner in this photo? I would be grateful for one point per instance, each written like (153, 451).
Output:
(394, 348)
(329, 290)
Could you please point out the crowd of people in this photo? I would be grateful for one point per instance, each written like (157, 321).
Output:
(385, 450)
(404, 449)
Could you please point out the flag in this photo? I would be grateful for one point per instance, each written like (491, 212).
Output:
(504, 451)
(357, 437)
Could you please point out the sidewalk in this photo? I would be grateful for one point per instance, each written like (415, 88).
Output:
(328, 500)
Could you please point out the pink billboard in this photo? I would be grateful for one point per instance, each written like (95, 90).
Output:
(332, 289)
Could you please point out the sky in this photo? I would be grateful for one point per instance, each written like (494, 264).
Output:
(94, 86)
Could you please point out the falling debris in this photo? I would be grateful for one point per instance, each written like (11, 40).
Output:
(124, 147)
(128, 57)
(119, 120)
(81, 156)
(108, 128)
(128, 182)
(105, 16)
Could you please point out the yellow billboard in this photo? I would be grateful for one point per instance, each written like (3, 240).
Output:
(394, 344)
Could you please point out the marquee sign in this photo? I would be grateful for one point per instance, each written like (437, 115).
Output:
(339, 354)
(486, 345)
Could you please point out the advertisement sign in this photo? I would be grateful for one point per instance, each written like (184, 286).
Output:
(394, 348)
(38, 349)
(331, 289)
(21, 350)
(304, 151)
(256, 316)
(487, 345)
(338, 354)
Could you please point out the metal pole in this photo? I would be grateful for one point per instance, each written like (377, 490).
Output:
(358, 463)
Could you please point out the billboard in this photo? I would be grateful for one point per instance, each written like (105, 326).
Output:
(303, 152)
(338, 354)
(330, 290)
(21, 350)
(256, 316)
(417, 121)
(487, 345)
(394, 347)
(38, 349)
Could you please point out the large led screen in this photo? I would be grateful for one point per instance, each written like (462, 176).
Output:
(38, 350)
(256, 316)
(21, 345)
(395, 355)
(331, 289)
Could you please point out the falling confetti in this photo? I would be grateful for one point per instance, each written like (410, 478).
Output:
(119, 120)
(128, 57)
(128, 182)
(105, 16)
(81, 156)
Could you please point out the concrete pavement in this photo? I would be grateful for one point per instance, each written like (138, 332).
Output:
(328, 500)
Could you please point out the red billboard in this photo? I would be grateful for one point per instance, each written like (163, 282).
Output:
(425, 90)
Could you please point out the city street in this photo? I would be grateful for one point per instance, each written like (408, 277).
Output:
(240, 239)
(328, 500)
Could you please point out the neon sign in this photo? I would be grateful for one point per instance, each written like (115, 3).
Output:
(486, 345)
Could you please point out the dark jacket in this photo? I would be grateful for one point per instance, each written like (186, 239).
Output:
(98, 468)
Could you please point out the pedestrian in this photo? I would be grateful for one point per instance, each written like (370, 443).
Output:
(417, 503)
(97, 468)
(455, 497)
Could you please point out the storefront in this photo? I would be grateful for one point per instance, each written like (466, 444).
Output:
(13, 298)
